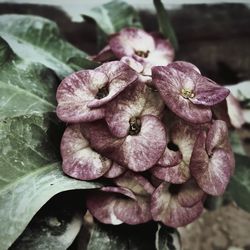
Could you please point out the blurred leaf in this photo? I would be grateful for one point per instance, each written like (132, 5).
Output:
(55, 226)
(236, 143)
(113, 16)
(30, 174)
(149, 236)
(165, 26)
(77, 63)
(239, 186)
(37, 39)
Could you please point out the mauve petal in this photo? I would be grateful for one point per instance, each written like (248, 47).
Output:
(211, 173)
(129, 40)
(208, 93)
(115, 171)
(189, 194)
(170, 82)
(119, 75)
(135, 182)
(135, 101)
(133, 212)
(170, 158)
(142, 151)
(119, 190)
(103, 141)
(101, 206)
(75, 92)
(132, 63)
(185, 66)
(104, 55)
(79, 160)
(175, 174)
(217, 136)
(166, 208)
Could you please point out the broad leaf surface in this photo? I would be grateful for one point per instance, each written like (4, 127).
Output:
(239, 186)
(56, 224)
(29, 174)
(113, 16)
(38, 40)
(25, 87)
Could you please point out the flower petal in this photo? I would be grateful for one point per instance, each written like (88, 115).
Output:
(129, 40)
(115, 171)
(75, 92)
(208, 93)
(79, 160)
(166, 208)
(170, 82)
(211, 173)
(135, 101)
(119, 75)
(142, 151)
(190, 194)
(175, 174)
(104, 55)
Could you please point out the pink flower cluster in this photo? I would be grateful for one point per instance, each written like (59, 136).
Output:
(145, 126)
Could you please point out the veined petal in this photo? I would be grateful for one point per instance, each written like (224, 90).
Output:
(137, 100)
(142, 151)
(208, 93)
(75, 92)
(190, 194)
(175, 174)
(79, 160)
(166, 208)
(130, 40)
(119, 75)
(171, 82)
(115, 171)
(212, 172)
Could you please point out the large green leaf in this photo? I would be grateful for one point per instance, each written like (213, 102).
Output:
(239, 186)
(29, 174)
(38, 40)
(164, 23)
(113, 16)
(25, 87)
(56, 224)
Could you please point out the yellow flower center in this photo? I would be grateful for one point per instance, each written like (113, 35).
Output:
(187, 93)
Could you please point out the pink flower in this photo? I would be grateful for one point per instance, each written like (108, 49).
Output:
(186, 92)
(128, 202)
(177, 205)
(81, 95)
(212, 161)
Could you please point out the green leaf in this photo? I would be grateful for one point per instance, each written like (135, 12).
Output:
(164, 23)
(147, 236)
(29, 173)
(37, 39)
(55, 226)
(236, 142)
(239, 186)
(25, 88)
(113, 16)
(78, 63)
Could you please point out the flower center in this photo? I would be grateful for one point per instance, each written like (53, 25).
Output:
(187, 93)
(142, 53)
(172, 146)
(102, 92)
(174, 189)
(135, 125)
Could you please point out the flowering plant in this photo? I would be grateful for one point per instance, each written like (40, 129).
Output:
(144, 136)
